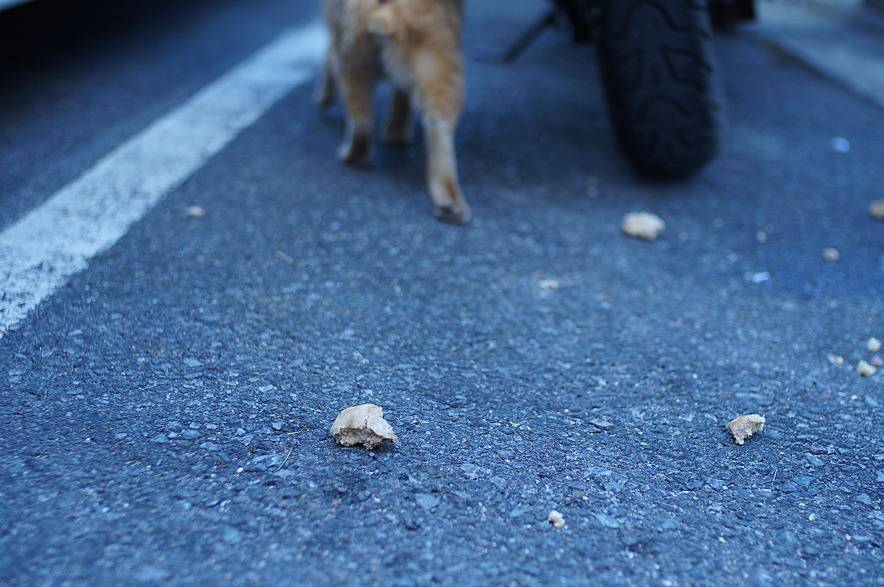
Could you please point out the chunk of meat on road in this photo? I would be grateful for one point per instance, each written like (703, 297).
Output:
(865, 369)
(742, 427)
(643, 225)
(363, 424)
(556, 519)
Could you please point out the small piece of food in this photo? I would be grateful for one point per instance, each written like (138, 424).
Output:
(548, 284)
(865, 369)
(831, 254)
(873, 345)
(742, 427)
(643, 225)
(195, 211)
(363, 425)
(876, 209)
(877, 361)
(556, 519)
(835, 359)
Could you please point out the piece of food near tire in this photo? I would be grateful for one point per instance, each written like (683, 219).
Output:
(660, 79)
(642, 225)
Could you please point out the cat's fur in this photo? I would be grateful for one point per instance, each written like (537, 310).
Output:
(415, 44)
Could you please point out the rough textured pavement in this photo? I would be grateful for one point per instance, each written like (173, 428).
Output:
(165, 416)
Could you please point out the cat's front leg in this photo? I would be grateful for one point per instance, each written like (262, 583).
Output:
(444, 186)
(438, 77)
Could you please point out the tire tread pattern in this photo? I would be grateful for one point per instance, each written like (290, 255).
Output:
(659, 76)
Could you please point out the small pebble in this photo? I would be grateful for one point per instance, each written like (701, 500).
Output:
(195, 211)
(498, 482)
(864, 499)
(556, 519)
(601, 423)
(873, 345)
(865, 369)
(840, 145)
(427, 500)
(813, 459)
(153, 575)
(759, 277)
(470, 470)
(876, 209)
(643, 225)
(517, 512)
(231, 535)
(831, 254)
(609, 521)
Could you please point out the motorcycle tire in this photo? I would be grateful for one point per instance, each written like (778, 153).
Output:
(661, 82)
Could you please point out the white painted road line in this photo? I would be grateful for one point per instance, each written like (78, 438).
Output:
(40, 252)
(4, 4)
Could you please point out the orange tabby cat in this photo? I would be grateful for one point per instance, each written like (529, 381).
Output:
(416, 44)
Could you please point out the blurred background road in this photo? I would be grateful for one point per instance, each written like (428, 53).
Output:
(165, 405)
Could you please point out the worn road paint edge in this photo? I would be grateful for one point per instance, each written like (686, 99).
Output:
(51, 243)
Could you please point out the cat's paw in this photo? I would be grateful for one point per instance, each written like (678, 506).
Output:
(355, 152)
(448, 201)
(455, 213)
(324, 99)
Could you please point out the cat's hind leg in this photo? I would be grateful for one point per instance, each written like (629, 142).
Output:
(398, 129)
(326, 89)
(357, 88)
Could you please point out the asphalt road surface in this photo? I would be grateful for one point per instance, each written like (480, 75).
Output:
(165, 404)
